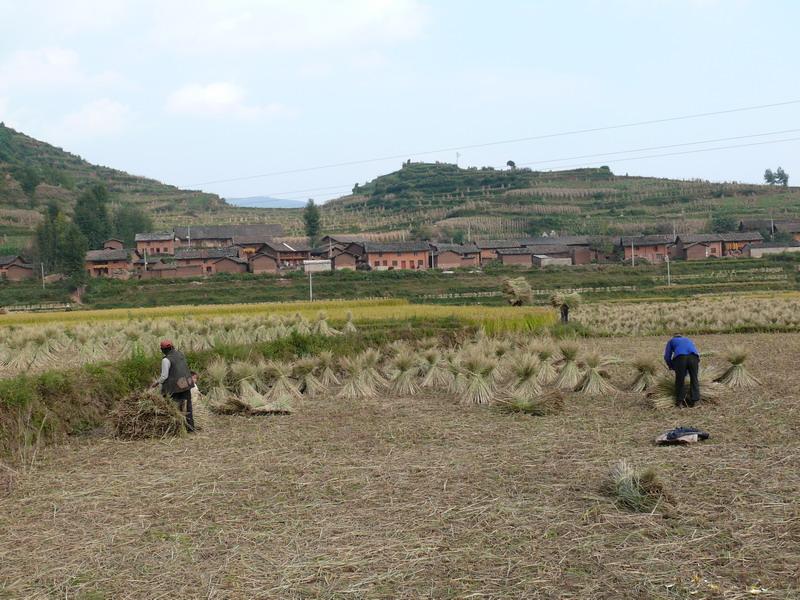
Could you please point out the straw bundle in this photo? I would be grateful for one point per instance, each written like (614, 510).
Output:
(479, 372)
(217, 372)
(517, 291)
(595, 380)
(570, 374)
(548, 403)
(645, 375)
(303, 371)
(327, 374)
(283, 389)
(321, 326)
(547, 372)
(349, 326)
(525, 376)
(662, 394)
(434, 370)
(147, 414)
(354, 385)
(403, 374)
(737, 376)
(634, 489)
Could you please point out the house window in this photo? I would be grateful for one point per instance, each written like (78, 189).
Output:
(394, 263)
(402, 264)
(713, 250)
(419, 263)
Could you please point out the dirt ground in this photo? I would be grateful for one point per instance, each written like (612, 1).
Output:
(424, 498)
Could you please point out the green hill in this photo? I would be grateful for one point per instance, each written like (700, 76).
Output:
(34, 173)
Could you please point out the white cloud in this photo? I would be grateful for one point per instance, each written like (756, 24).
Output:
(98, 118)
(200, 26)
(219, 99)
(50, 67)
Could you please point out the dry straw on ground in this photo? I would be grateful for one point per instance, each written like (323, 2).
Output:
(147, 414)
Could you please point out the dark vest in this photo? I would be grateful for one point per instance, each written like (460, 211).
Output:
(180, 377)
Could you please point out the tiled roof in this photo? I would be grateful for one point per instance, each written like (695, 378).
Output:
(495, 244)
(647, 240)
(7, 260)
(412, 246)
(514, 251)
(289, 245)
(205, 253)
(157, 236)
(461, 249)
(107, 255)
(237, 233)
(705, 238)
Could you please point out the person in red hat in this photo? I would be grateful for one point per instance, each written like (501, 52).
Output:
(176, 381)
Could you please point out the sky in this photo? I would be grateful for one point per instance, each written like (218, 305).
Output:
(227, 96)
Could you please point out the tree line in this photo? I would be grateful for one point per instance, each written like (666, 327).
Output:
(60, 245)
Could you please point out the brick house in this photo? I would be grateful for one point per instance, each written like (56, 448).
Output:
(733, 244)
(652, 248)
(395, 255)
(489, 248)
(227, 264)
(262, 263)
(454, 256)
(109, 263)
(15, 268)
(224, 236)
(698, 246)
(344, 260)
(207, 258)
(154, 244)
(290, 253)
(516, 257)
(160, 270)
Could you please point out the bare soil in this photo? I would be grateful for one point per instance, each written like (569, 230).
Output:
(424, 498)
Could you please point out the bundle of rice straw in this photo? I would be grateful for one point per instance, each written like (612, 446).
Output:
(517, 291)
(646, 370)
(283, 389)
(525, 376)
(635, 490)
(349, 326)
(321, 326)
(147, 414)
(542, 404)
(737, 376)
(595, 380)
(371, 375)
(303, 371)
(434, 370)
(547, 372)
(570, 374)
(572, 300)
(354, 385)
(662, 395)
(218, 399)
(403, 373)
(327, 375)
(479, 385)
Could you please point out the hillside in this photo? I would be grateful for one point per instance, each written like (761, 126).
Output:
(502, 203)
(33, 173)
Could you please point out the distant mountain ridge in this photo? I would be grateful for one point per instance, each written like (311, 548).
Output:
(265, 202)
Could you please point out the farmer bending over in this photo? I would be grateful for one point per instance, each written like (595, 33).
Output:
(176, 381)
(681, 356)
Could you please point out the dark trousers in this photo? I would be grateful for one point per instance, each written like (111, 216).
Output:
(184, 402)
(686, 363)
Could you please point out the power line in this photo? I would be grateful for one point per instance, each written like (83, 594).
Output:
(554, 175)
(501, 142)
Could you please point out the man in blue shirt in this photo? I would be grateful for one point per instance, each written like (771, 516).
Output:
(681, 356)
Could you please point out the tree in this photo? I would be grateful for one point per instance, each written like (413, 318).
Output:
(722, 223)
(28, 179)
(511, 165)
(60, 245)
(73, 253)
(128, 220)
(769, 177)
(311, 219)
(91, 215)
(781, 177)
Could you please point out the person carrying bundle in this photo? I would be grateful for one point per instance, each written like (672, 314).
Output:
(681, 356)
(176, 381)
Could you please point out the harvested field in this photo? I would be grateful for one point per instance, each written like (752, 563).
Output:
(425, 497)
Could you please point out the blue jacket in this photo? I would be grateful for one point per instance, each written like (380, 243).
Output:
(679, 346)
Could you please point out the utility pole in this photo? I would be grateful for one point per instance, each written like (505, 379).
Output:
(310, 287)
(633, 255)
(458, 155)
(669, 279)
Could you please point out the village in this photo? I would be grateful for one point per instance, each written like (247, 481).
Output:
(201, 251)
